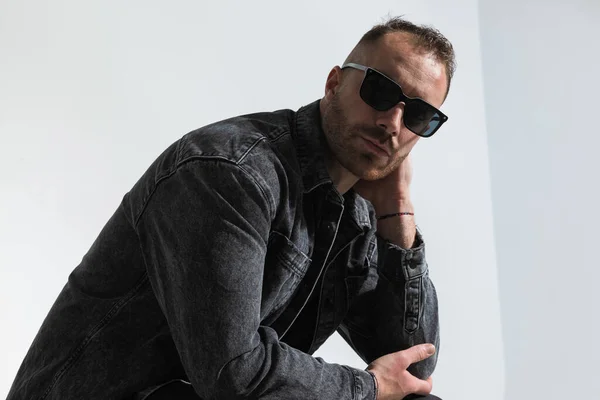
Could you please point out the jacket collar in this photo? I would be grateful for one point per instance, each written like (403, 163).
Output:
(311, 147)
(311, 150)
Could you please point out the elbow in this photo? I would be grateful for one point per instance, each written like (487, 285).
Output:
(244, 376)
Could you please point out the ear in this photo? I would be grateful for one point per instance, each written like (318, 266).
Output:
(333, 82)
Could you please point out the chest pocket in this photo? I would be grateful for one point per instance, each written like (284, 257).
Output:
(285, 266)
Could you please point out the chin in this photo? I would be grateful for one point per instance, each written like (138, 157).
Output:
(372, 175)
(372, 171)
(366, 167)
(369, 172)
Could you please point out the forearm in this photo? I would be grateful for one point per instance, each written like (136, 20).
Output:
(397, 307)
(273, 370)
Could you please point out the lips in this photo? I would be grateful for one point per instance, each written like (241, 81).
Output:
(379, 146)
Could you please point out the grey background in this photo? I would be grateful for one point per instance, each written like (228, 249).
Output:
(540, 64)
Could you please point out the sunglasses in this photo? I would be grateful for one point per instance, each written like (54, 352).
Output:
(382, 93)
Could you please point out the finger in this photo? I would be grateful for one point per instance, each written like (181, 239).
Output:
(421, 387)
(417, 353)
(430, 381)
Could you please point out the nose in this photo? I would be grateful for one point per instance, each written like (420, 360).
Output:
(391, 120)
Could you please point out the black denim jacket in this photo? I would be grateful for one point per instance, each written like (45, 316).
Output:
(231, 246)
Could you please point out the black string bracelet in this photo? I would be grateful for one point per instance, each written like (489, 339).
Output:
(394, 215)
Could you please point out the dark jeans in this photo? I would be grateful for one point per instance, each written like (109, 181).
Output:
(179, 390)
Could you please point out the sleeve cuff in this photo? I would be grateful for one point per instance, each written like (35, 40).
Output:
(365, 384)
(399, 264)
(374, 384)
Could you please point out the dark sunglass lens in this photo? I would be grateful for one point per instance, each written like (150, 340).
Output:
(419, 117)
(433, 126)
(379, 92)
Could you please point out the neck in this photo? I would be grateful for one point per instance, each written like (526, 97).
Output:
(342, 179)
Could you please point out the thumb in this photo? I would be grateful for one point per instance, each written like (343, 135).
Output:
(417, 353)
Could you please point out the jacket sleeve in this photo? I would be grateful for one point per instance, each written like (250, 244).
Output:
(204, 234)
(395, 307)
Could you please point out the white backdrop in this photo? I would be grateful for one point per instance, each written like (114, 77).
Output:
(542, 83)
(91, 92)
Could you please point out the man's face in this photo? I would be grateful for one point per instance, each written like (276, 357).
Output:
(369, 143)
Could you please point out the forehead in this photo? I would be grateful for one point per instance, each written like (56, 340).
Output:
(418, 73)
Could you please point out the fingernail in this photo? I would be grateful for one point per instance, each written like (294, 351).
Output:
(430, 349)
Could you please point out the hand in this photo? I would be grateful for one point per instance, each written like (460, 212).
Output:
(394, 382)
(388, 193)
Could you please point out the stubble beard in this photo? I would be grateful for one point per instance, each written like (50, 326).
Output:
(340, 136)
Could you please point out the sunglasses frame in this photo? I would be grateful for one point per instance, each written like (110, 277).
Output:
(403, 98)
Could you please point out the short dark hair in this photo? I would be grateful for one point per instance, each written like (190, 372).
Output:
(425, 38)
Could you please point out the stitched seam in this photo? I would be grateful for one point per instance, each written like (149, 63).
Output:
(283, 131)
(406, 305)
(262, 190)
(162, 386)
(371, 253)
(291, 266)
(241, 159)
(356, 386)
(198, 158)
(375, 383)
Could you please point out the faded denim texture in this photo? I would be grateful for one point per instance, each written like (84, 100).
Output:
(231, 247)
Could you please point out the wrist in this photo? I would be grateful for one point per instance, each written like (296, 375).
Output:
(396, 223)
(394, 206)
(397, 214)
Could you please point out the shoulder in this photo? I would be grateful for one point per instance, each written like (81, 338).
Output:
(239, 139)
(254, 151)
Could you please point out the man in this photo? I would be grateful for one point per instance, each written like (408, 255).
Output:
(248, 242)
